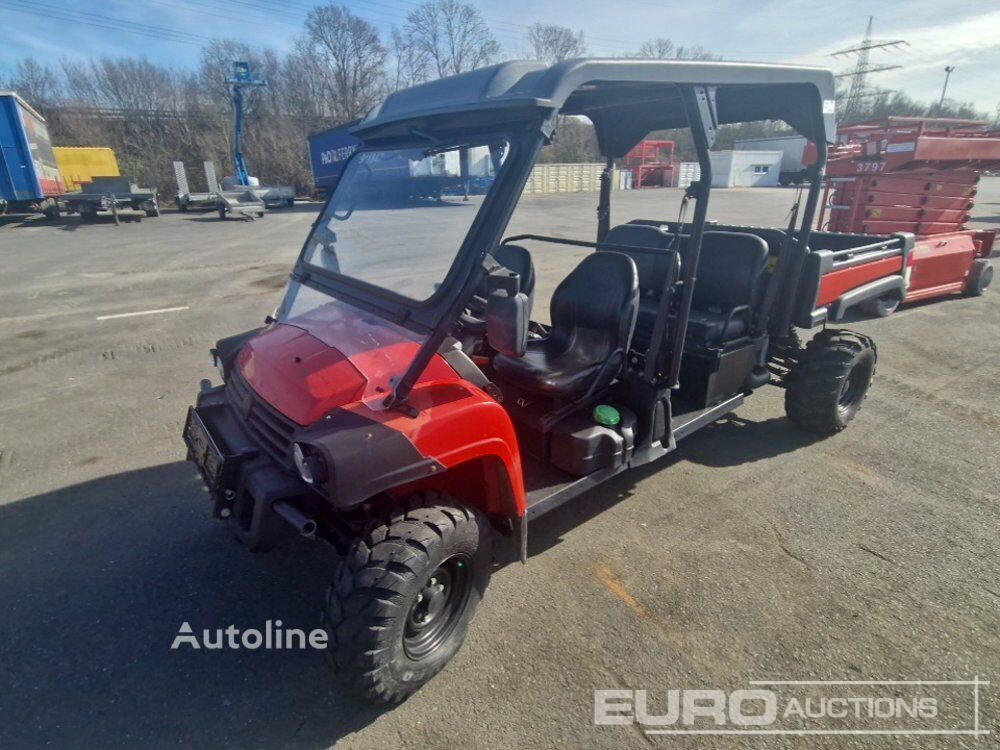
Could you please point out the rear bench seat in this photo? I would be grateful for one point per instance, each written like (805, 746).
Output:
(652, 264)
(730, 275)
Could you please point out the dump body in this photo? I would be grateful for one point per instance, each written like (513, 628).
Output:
(28, 171)
(79, 165)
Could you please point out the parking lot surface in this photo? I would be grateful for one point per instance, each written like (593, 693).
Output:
(754, 552)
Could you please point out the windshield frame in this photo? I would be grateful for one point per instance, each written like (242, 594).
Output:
(421, 316)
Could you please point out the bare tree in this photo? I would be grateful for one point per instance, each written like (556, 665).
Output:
(661, 48)
(551, 43)
(453, 36)
(36, 83)
(410, 62)
(352, 58)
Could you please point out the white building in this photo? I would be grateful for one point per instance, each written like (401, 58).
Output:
(745, 168)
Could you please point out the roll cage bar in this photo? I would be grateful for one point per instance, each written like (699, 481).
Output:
(625, 100)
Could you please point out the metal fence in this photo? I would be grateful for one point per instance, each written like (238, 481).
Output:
(567, 178)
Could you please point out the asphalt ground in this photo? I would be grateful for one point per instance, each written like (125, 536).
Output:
(755, 552)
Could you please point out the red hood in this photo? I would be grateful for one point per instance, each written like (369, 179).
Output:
(331, 356)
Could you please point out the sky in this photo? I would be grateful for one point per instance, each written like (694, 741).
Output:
(964, 34)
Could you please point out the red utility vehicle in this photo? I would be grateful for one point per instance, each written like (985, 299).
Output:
(919, 176)
(402, 403)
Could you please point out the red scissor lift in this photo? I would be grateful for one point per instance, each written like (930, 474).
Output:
(652, 164)
(915, 175)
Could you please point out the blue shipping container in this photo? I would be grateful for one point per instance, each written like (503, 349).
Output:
(28, 171)
(328, 152)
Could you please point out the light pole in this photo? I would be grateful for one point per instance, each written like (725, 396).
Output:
(947, 74)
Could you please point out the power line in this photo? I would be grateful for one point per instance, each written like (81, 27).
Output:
(109, 23)
(862, 68)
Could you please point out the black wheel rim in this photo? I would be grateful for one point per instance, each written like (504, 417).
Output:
(853, 388)
(437, 608)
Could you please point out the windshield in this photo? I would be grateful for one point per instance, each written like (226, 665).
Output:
(398, 217)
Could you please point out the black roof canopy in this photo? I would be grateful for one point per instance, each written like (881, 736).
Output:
(625, 99)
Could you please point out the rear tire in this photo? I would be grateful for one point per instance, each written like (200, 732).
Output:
(880, 307)
(401, 602)
(980, 277)
(827, 385)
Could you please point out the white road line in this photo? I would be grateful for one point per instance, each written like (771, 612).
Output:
(143, 312)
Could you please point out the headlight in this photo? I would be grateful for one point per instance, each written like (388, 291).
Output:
(305, 471)
(311, 466)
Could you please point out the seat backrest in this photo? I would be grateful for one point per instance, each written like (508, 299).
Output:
(601, 294)
(730, 268)
(518, 260)
(652, 266)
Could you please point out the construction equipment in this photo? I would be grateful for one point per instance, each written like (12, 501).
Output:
(236, 187)
(915, 175)
(652, 164)
(29, 176)
(401, 405)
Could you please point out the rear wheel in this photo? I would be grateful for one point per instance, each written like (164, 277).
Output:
(880, 307)
(222, 212)
(401, 602)
(827, 385)
(980, 277)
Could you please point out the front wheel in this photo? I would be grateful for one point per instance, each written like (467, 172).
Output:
(401, 602)
(827, 385)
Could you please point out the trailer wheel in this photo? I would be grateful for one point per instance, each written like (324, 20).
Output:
(401, 602)
(827, 385)
(980, 277)
(222, 212)
(880, 307)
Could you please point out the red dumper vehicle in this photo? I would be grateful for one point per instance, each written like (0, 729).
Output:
(912, 175)
(403, 404)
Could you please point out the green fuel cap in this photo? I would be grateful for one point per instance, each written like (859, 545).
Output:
(607, 415)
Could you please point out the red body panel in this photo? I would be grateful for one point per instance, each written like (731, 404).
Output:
(943, 260)
(457, 423)
(835, 283)
(337, 356)
(937, 266)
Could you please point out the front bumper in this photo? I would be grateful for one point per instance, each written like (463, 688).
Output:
(242, 479)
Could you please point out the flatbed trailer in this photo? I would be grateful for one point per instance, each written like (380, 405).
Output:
(245, 204)
(117, 197)
(186, 199)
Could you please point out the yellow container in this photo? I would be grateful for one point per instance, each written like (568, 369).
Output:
(79, 165)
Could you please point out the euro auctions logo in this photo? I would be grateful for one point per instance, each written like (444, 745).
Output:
(801, 707)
